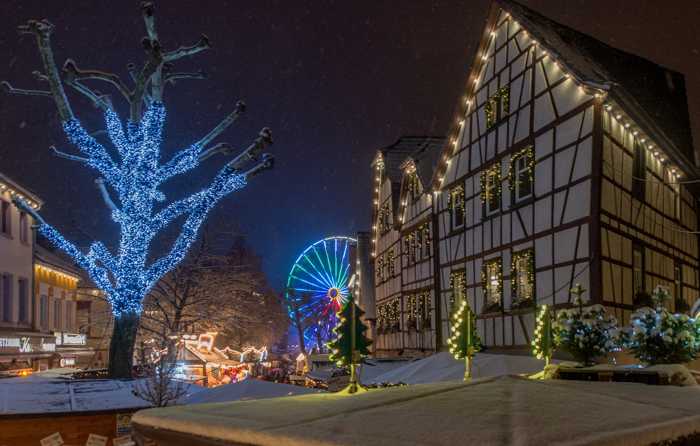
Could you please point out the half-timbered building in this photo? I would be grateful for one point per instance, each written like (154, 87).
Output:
(565, 166)
(403, 250)
(569, 162)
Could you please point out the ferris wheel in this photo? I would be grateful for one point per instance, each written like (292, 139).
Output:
(318, 286)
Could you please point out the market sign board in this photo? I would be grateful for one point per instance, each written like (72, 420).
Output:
(26, 344)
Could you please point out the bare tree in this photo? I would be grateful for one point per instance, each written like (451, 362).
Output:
(208, 291)
(130, 173)
(161, 388)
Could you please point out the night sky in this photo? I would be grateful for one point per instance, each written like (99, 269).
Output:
(335, 80)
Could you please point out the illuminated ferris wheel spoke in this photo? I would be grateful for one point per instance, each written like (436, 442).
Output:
(319, 280)
(321, 276)
(328, 260)
(323, 267)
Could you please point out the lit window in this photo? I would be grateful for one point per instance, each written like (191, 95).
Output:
(491, 189)
(457, 206)
(677, 201)
(492, 278)
(522, 174)
(523, 275)
(497, 106)
(6, 297)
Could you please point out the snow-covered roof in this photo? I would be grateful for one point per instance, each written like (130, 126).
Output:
(497, 410)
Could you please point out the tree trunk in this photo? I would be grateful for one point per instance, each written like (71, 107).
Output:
(121, 347)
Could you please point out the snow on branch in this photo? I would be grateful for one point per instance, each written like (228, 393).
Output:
(9, 89)
(184, 51)
(73, 74)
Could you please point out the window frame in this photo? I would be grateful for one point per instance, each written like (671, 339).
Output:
(5, 218)
(24, 227)
(487, 283)
(525, 156)
(490, 181)
(527, 255)
(638, 252)
(457, 200)
(639, 172)
(23, 300)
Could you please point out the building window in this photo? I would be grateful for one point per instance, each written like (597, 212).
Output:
(44, 311)
(23, 227)
(380, 268)
(413, 186)
(384, 219)
(491, 189)
(677, 202)
(424, 311)
(639, 171)
(5, 218)
(680, 304)
(427, 239)
(637, 269)
(23, 288)
(457, 206)
(7, 298)
(521, 174)
(391, 262)
(458, 283)
(492, 282)
(56, 314)
(523, 278)
(497, 106)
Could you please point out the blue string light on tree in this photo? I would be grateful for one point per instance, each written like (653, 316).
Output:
(125, 276)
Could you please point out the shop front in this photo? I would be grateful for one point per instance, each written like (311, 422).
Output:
(24, 353)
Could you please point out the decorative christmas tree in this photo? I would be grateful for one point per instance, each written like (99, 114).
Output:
(543, 344)
(464, 342)
(132, 170)
(350, 344)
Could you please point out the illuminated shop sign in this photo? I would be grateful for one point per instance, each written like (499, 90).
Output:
(70, 338)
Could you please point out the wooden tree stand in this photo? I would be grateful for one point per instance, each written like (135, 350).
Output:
(614, 375)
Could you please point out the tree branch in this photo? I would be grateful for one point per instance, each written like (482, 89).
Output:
(173, 77)
(67, 156)
(72, 74)
(42, 30)
(9, 89)
(100, 101)
(202, 44)
(105, 195)
(223, 125)
(223, 147)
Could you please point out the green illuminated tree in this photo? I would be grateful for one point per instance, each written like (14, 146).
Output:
(543, 344)
(464, 342)
(350, 344)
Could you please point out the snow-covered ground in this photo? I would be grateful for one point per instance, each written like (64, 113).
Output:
(443, 367)
(249, 389)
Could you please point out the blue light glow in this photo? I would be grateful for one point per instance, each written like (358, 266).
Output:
(135, 178)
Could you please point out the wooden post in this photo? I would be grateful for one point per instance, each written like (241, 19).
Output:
(469, 342)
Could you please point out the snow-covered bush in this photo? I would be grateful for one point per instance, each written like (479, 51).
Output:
(586, 333)
(658, 336)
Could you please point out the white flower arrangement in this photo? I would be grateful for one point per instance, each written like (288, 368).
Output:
(656, 336)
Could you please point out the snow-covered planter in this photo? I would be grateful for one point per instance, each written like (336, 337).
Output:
(586, 333)
(657, 336)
